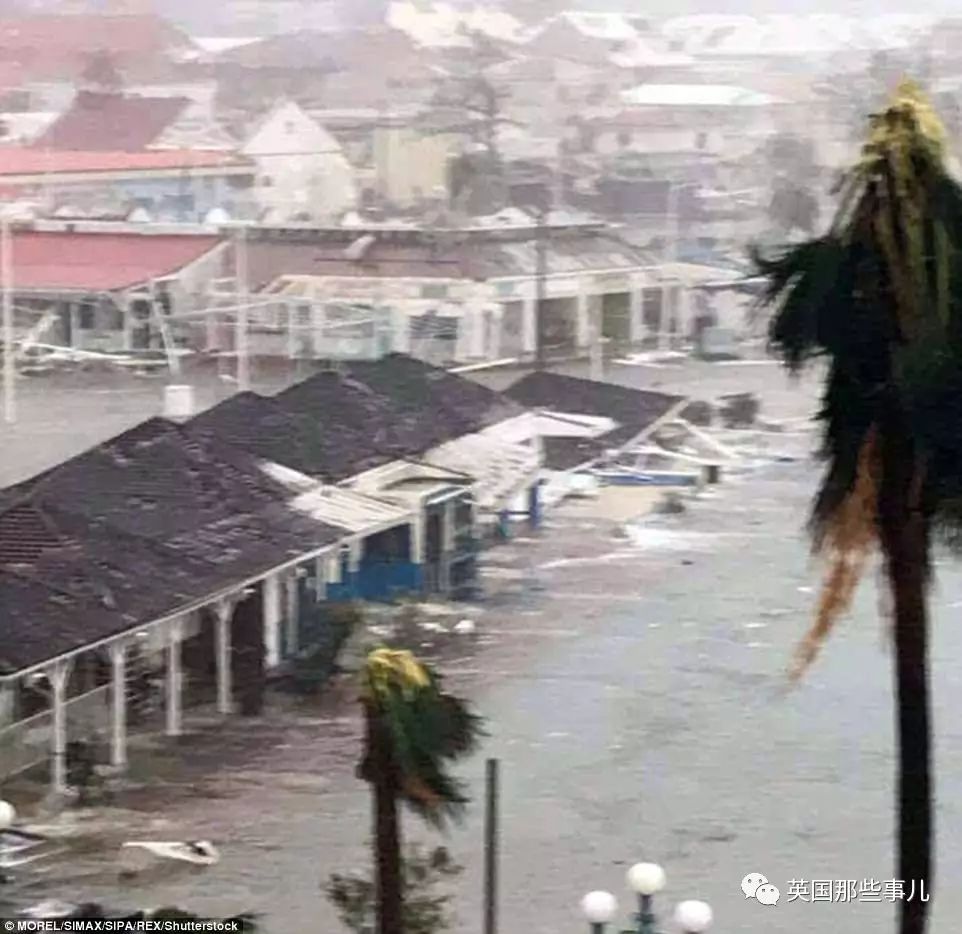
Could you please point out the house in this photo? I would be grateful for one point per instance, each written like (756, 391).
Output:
(586, 423)
(363, 428)
(111, 121)
(302, 171)
(448, 293)
(101, 290)
(170, 185)
(155, 551)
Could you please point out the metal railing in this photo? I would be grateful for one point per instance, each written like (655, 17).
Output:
(28, 742)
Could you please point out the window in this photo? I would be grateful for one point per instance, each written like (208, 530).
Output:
(624, 138)
(266, 181)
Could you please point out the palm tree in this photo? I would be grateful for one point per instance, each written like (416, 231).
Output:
(879, 297)
(412, 730)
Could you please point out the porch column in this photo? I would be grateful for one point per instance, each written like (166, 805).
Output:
(118, 735)
(290, 310)
(685, 313)
(128, 325)
(225, 690)
(479, 319)
(57, 674)
(447, 548)
(664, 317)
(320, 577)
(417, 538)
(271, 597)
(529, 326)
(75, 340)
(318, 324)
(400, 330)
(636, 320)
(582, 319)
(174, 679)
(293, 595)
(595, 328)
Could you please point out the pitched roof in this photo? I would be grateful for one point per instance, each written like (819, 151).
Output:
(33, 161)
(54, 45)
(633, 409)
(67, 261)
(136, 529)
(111, 122)
(338, 424)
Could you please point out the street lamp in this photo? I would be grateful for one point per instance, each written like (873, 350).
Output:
(599, 908)
(645, 880)
(693, 917)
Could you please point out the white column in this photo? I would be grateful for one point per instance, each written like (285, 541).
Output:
(636, 320)
(76, 343)
(320, 578)
(224, 610)
(118, 735)
(128, 324)
(479, 317)
(271, 596)
(595, 309)
(447, 547)
(293, 612)
(174, 679)
(318, 325)
(417, 538)
(290, 309)
(664, 317)
(400, 330)
(685, 313)
(529, 326)
(582, 319)
(57, 674)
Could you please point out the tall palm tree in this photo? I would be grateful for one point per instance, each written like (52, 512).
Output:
(413, 729)
(879, 297)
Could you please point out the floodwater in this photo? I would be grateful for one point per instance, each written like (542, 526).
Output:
(634, 685)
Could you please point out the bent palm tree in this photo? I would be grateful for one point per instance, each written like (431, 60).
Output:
(413, 729)
(880, 297)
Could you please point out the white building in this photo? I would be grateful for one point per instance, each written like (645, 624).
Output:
(303, 172)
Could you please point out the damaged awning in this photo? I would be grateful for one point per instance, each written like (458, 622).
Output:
(499, 468)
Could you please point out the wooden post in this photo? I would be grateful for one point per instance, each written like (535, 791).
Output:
(491, 847)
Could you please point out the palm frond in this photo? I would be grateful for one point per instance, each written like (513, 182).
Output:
(426, 728)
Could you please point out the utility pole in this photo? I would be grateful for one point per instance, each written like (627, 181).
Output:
(241, 340)
(6, 272)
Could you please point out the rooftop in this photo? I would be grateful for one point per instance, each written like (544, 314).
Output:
(634, 410)
(695, 95)
(335, 425)
(112, 122)
(100, 262)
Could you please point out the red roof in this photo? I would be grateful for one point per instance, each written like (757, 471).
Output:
(61, 44)
(111, 122)
(100, 262)
(27, 161)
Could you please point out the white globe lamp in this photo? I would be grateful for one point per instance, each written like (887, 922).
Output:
(599, 908)
(646, 879)
(693, 917)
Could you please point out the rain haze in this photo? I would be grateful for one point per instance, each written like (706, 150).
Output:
(412, 449)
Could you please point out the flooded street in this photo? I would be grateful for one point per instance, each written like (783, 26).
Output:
(634, 684)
